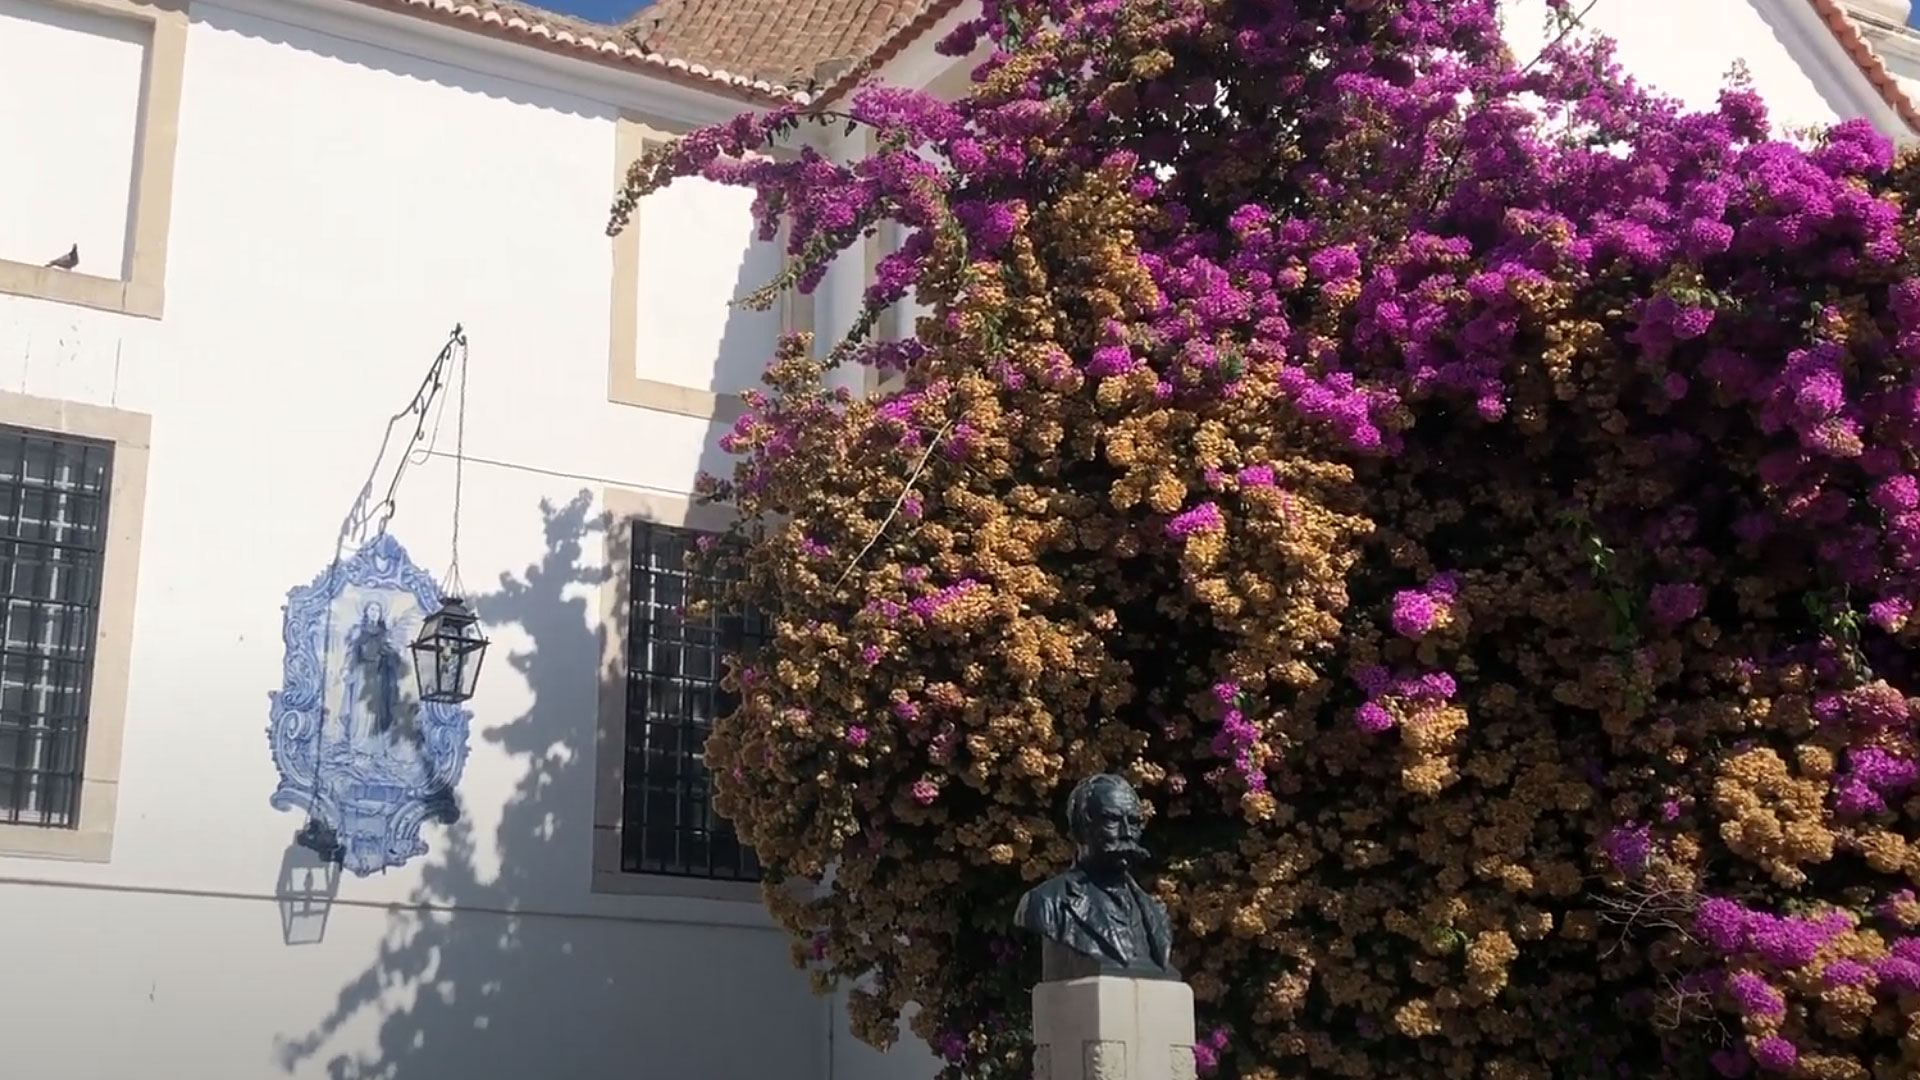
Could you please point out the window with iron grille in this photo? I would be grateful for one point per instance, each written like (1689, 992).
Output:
(675, 665)
(53, 530)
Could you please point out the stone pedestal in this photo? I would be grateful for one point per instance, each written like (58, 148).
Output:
(1107, 1027)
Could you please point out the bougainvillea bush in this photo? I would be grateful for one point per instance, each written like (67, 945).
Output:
(1472, 497)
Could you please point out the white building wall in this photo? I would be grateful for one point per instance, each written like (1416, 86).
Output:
(337, 209)
(1687, 49)
(698, 255)
(81, 154)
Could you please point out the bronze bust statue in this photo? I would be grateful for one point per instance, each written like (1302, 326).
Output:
(1095, 919)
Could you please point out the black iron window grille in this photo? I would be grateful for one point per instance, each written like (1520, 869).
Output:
(675, 665)
(53, 531)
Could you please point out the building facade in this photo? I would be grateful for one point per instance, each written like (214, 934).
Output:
(1802, 55)
(1882, 37)
(239, 436)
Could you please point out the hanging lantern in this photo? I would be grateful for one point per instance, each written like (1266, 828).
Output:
(447, 654)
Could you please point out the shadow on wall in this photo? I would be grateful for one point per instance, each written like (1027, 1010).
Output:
(748, 339)
(498, 990)
(394, 63)
(467, 975)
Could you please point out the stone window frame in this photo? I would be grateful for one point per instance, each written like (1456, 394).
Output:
(130, 433)
(142, 291)
(622, 506)
(892, 323)
(633, 133)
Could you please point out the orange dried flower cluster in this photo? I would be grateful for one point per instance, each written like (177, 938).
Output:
(1497, 590)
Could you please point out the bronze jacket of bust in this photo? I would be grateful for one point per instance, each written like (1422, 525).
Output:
(1071, 910)
(1094, 917)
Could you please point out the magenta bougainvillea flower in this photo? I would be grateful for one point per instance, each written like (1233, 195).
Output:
(1475, 499)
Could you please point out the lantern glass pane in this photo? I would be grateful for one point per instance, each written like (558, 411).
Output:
(470, 668)
(452, 660)
(426, 667)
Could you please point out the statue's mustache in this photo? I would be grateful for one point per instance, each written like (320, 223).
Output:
(1131, 849)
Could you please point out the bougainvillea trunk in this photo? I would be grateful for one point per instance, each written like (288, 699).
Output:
(1473, 500)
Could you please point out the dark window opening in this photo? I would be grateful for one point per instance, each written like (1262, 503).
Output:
(53, 533)
(674, 668)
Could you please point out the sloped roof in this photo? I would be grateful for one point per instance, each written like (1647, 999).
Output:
(1860, 51)
(785, 42)
(759, 49)
(807, 50)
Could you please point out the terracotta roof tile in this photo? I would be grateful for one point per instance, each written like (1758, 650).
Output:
(1868, 61)
(759, 49)
(785, 42)
(865, 64)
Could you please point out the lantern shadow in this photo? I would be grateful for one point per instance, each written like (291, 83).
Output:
(308, 885)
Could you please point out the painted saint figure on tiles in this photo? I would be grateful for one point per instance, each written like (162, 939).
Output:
(371, 706)
(372, 677)
(356, 748)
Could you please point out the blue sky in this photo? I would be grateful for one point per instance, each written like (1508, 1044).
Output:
(606, 11)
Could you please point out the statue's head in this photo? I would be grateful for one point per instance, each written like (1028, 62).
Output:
(1105, 818)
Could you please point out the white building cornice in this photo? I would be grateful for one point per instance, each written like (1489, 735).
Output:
(1882, 24)
(458, 47)
(1892, 12)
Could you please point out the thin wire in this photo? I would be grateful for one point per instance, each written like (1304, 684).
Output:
(894, 510)
(562, 474)
(455, 587)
